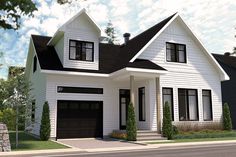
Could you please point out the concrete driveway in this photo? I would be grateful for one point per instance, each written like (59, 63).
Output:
(96, 143)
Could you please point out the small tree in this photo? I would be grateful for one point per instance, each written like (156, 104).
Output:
(167, 129)
(110, 31)
(45, 127)
(226, 117)
(131, 127)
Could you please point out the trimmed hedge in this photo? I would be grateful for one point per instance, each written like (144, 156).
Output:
(226, 117)
(167, 128)
(131, 127)
(45, 127)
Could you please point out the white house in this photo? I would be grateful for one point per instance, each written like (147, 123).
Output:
(88, 84)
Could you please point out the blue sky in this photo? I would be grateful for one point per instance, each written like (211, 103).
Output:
(213, 21)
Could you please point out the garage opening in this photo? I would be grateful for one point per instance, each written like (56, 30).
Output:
(79, 119)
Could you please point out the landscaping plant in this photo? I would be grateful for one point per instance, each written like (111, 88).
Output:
(167, 129)
(226, 117)
(131, 127)
(45, 126)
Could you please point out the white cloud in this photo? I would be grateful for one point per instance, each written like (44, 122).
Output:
(212, 21)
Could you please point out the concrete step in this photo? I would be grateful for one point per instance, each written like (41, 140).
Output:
(148, 134)
(151, 138)
(146, 131)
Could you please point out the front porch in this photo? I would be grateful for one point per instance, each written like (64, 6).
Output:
(144, 94)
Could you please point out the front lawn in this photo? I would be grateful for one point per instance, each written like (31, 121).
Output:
(28, 142)
(201, 136)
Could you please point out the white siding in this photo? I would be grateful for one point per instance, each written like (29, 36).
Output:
(198, 73)
(38, 92)
(59, 47)
(81, 29)
(110, 97)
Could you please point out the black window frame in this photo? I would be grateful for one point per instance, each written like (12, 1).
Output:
(172, 100)
(176, 51)
(77, 42)
(79, 90)
(210, 104)
(142, 107)
(34, 64)
(33, 104)
(187, 107)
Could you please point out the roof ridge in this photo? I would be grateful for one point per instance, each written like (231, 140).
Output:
(150, 28)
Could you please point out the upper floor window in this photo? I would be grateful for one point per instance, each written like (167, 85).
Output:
(175, 52)
(35, 64)
(81, 50)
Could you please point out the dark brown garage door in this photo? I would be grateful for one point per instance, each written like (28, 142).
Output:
(79, 119)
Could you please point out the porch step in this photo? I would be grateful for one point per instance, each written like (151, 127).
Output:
(147, 135)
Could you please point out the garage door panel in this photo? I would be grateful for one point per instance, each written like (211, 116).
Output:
(79, 119)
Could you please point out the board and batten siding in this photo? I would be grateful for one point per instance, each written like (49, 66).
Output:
(198, 73)
(38, 93)
(83, 30)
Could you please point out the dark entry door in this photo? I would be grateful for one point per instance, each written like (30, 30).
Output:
(124, 102)
(79, 119)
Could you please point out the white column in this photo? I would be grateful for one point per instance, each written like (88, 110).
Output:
(158, 103)
(132, 89)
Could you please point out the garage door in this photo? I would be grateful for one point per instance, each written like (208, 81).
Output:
(79, 119)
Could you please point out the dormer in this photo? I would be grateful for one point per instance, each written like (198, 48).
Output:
(77, 42)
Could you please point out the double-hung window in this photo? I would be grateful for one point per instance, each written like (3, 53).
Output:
(175, 52)
(188, 104)
(207, 105)
(81, 50)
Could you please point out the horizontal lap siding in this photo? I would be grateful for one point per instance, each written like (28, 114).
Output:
(198, 73)
(81, 29)
(110, 97)
(38, 92)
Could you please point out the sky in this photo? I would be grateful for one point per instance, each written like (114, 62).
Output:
(213, 21)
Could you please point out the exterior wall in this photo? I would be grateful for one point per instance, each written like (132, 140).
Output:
(38, 92)
(59, 47)
(84, 30)
(143, 125)
(110, 97)
(198, 73)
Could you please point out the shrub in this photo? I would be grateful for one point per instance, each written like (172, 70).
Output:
(45, 127)
(167, 129)
(175, 130)
(131, 127)
(8, 117)
(119, 135)
(226, 117)
(190, 126)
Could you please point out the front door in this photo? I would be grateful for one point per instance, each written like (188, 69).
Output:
(124, 102)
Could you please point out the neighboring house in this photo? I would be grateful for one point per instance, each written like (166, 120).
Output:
(89, 84)
(228, 63)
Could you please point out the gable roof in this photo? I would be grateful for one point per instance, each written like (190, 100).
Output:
(108, 53)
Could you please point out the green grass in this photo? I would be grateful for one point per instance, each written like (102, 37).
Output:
(28, 142)
(196, 140)
(201, 136)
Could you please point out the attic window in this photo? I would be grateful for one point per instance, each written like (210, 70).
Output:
(81, 50)
(175, 52)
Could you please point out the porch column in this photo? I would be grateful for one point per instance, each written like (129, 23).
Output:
(158, 102)
(132, 89)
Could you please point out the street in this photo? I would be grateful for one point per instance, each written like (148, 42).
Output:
(224, 150)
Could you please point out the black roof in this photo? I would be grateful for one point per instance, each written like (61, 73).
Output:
(230, 61)
(111, 57)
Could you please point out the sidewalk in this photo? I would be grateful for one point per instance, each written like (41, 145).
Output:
(100, 150)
